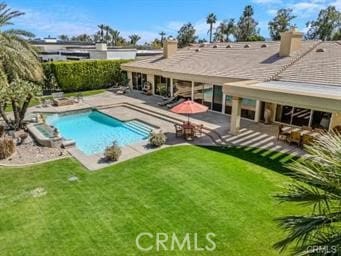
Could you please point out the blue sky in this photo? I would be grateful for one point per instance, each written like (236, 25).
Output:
(148, 17)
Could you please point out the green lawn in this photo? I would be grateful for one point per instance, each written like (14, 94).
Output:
(183, 189)
(36, 101)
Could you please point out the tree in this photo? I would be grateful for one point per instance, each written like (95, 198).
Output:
(101, 32)
(211, 19)
(82, 38)
(280, 23)
(224, 30)
(20, 68)
(134, 38)
(327, 23)
(162, 34)
(107, 36)
(337, 35)
(156, 44)
(64, 37)
(317, 186)
(186, 35)
(115, 34)
(246, 26)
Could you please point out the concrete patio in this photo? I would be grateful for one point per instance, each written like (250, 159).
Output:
(135, 105)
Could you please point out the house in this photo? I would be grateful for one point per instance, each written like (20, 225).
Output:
(294, 81)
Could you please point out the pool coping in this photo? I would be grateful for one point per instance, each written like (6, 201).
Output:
(96, 161)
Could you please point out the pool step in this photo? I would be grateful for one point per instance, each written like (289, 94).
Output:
(141, 125)
(137, 128)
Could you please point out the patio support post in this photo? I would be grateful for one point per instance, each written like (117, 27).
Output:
(224, 103)
(171, 87)
(235, 115)
(130, 77)
(192, 94)
(258, 111)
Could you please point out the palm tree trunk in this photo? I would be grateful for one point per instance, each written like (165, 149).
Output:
(211, 28)
(23, 110)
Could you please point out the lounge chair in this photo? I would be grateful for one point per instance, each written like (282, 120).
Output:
(123, 90)
(58, 99)
(167, 101)
(176, 103)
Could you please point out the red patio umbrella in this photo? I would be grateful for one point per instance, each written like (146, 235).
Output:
(189, 107)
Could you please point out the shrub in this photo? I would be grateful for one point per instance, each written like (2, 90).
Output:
(157, 139)
(113, 152)
(72, 76)
(7, 147)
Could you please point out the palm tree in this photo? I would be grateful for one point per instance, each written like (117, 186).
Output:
(18, 61)
(107, 36)
(317, 186)
(63, 37)
(224, 30)
(162, 34)
(115, 34)
(101, 31)
(211, 19)
(134, 38)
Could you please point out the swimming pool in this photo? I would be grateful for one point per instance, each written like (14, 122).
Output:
(93, 131)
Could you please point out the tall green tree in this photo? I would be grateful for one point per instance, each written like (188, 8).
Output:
(317, 186)
(224, 30)
(162, 34)
(281, 23)
(82, 38)
(134, 38)
(115, 34)
(246, 29)
(326, 25)
(211, 19)
(101, 32)
(186, 35)
(107, 38)
(20, 69)
(64, 37)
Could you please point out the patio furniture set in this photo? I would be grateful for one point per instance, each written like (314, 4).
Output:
(188, 130)
(299, 136)
(59, 99)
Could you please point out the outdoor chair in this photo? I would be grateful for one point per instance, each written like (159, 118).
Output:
(307, 139)
(58, 99)
(198, 130)
(178, 130)
(337, 129)
(295, 137)
(307, 128)
(282, 135)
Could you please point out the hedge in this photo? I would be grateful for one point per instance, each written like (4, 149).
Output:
(72, 76)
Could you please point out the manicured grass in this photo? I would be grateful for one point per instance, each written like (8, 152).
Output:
(36, 101)
(183, 189)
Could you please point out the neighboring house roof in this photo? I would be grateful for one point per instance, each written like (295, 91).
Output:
(253, 62)
(320, 66)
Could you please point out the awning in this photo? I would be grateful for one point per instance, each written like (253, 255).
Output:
(312, 96)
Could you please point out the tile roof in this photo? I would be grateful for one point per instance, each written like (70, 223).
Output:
(253, 62)
(318, 66)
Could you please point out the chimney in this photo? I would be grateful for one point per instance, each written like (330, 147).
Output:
(170, 47)
(290, 42)
(101, 46)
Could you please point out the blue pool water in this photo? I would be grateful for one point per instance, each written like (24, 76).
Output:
(93, 131)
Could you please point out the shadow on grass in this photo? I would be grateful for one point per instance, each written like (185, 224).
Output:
(273, 160)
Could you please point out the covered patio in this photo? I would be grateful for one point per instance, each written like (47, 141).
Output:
(311, 104)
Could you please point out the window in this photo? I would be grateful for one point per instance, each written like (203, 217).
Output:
(302, 117)
(248, 107)
(162, 86)
(138, 80)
